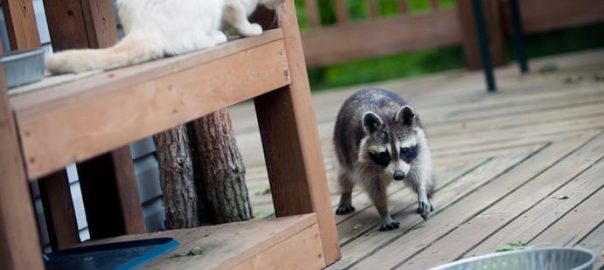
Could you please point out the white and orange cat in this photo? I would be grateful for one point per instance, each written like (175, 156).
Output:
(158, 28)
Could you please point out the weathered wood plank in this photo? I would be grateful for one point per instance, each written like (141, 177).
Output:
(56, 131)
(19, 241)
(357, 251)
(594, 242)
(439, 225)
(523, 214)
(576, 226)
(240, 243)
(291, 143)
(324, 46)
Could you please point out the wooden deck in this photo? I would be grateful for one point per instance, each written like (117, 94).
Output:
(523, 164)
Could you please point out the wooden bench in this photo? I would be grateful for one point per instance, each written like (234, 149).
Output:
(42, 131)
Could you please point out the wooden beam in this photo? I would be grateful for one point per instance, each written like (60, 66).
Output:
(341, 11)
(59, 211)
(373, 8)
(379, 37)
(494, 27)
(80, 24)
(557, 15)
(312, 14)
(291, 143)
(21, 24)
(78, 120)
(402, 6)
(19, 242)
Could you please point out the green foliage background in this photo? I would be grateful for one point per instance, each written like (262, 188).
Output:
(429, 60)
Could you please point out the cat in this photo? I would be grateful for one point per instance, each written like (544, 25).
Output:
(159, 28)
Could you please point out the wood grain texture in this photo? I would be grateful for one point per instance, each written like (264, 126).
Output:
(19, 242)
(291, 143)
(71, 122)
(380, 36)
(21, 24)
(80, 24)
(176, 177)
(221, 168)
(241, 244)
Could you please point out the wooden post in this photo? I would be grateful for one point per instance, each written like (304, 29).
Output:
(19, 242)
(90, 24)
(291, 143)
(54, 189)
(21, 24)
(60, 215)
(312, 13)
(341, 11)
(492, 11)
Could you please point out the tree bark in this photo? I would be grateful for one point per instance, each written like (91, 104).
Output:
(177, 178)
(222, 170)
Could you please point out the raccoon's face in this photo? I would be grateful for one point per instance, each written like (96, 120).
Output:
(392, 144)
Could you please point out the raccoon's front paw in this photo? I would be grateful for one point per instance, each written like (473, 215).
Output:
(389, 225)
(424, 209)
(345, 209)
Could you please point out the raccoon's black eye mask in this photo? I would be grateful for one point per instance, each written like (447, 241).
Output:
(408, 154)
(381, 158)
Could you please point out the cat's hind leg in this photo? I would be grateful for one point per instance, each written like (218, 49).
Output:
(235, 15)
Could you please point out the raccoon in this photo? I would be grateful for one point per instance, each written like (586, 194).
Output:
(378, 138)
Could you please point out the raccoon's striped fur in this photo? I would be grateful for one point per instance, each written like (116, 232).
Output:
(379, 138)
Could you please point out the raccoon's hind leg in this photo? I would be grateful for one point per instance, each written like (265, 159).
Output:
(346, 185)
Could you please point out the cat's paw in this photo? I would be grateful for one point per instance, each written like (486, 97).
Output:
(253, 29)
(219, 37)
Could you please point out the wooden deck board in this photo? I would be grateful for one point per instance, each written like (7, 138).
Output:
(503, 162)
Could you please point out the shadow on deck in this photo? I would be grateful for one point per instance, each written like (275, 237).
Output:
(523, 164)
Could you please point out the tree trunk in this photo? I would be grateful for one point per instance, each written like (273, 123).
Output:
(222, 169)
(177, 178)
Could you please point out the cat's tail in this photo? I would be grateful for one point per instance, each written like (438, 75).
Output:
(132, 49)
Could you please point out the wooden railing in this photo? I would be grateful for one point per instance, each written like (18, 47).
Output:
(437, 27)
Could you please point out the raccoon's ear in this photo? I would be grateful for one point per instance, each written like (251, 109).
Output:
(371, 122)
(405, 115)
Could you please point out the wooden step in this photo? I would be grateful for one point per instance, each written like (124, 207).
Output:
(76, 120)
(262, 244)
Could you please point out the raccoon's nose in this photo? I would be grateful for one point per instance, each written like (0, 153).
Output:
(398, 175)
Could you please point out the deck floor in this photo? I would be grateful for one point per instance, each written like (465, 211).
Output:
(523, 164)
